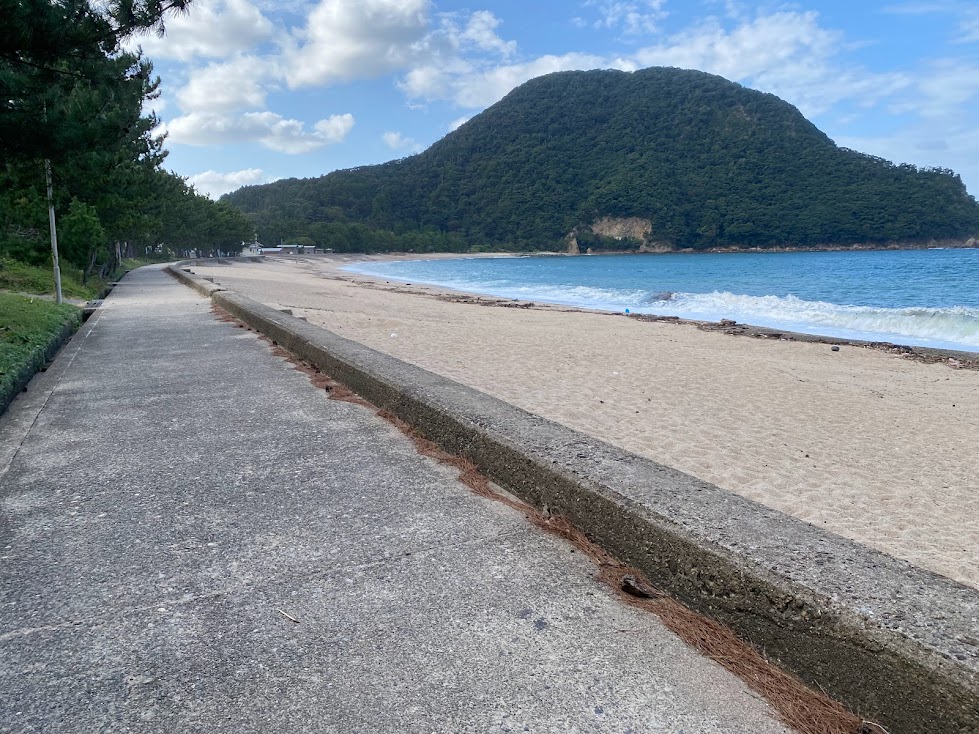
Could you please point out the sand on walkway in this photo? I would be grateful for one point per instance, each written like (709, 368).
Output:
(862, 443)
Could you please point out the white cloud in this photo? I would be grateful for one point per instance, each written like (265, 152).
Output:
(271, 130)
(787, 53)
(946, 86)
(485, 88)
(941, 93)
(470, 64)
(462, 58)
(480, 33)
(215, 183)
(733, 8)
(748, 49)
(334, 128)
(351, 39)
(291, 7)
(345, 40)
(969, 27)
(476, 87)
(954, 146)
(632, 18)
(155, 105)
(209, 28)
(434, 80)
(397, 141)
(457, 123)
(965, 12)
(237, 84)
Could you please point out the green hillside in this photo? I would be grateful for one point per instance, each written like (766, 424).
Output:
(703, 161)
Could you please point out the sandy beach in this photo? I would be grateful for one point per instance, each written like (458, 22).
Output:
(866, 444)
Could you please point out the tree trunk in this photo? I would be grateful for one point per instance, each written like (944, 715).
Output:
(91, 266)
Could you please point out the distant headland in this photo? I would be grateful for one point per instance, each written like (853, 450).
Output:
(660, 159)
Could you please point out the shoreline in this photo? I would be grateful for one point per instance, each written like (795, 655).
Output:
(957, 358)
(866, 443)
(970, 244)
(805, 597)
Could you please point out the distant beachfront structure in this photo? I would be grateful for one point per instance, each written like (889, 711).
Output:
(257, 248)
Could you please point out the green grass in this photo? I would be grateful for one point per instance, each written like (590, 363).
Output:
(22, 278)
(27, 325)
(19, 277)
(29, 322)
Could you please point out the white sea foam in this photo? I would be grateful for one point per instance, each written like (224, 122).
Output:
(953, 328)
(956, 326)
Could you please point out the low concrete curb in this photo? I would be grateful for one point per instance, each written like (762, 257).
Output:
(896, 644)
(182, 271)
(14, 384)
(185, 275)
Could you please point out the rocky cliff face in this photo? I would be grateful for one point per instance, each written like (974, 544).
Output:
(635, 229)
(620, 228)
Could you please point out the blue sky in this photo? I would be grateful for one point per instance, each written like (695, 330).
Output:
(256, 90)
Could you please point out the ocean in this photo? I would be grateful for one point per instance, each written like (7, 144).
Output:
(918, 297)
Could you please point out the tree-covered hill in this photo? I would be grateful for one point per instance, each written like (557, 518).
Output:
(706, 161)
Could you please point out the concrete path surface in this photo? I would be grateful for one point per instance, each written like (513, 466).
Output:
(170, 490)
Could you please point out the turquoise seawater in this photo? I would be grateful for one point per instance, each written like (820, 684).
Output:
(921, 297)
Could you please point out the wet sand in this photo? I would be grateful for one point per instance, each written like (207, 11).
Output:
(873, 446)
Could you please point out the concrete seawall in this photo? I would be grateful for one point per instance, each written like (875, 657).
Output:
(896, 644)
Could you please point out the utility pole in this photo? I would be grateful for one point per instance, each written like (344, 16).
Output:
(54, 233)
(54, 230)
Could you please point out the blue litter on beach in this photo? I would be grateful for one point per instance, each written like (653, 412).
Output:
(627, 310)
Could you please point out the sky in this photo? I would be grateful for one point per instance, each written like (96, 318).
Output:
(257, 90)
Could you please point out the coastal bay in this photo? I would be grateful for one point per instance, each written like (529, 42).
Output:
(869, 445)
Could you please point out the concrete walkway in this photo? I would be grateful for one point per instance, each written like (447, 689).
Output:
(170, 491)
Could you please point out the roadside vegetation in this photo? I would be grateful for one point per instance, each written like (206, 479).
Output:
(28, 325)
(72, 111)
(20, 278)
(30, 320)
(75, 138)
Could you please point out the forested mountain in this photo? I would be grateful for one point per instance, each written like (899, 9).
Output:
(706, 161)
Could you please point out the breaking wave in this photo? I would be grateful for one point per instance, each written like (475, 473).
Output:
(951, 327)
